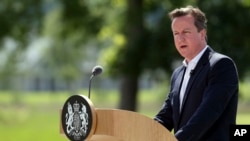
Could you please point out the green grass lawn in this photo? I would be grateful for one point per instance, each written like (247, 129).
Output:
(29, 117)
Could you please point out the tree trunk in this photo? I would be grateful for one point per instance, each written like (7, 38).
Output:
(129, 89)
(134, 32)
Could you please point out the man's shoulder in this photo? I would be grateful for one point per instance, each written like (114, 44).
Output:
(212, 57)
(216, 56)
(179, 69)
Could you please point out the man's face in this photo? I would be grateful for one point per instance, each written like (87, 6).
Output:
(188, 41)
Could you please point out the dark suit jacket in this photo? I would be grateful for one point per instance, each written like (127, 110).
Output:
(210, 101)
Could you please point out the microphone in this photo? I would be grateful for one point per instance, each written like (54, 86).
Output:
(95, 71)
(192, 72)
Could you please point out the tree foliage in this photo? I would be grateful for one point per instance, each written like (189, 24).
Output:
(20, 21)
(66, 25)
(72, 25)
(228, 30)
(20, 18)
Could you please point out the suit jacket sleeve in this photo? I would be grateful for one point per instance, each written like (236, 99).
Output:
(165, 115)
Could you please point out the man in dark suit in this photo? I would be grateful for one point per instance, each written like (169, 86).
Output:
(203, 97)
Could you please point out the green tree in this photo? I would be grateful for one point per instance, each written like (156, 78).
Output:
(69, 25)
(66, 25)
(20, 18)
(20, 21)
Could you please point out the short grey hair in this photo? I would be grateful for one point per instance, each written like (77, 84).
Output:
(200, 20)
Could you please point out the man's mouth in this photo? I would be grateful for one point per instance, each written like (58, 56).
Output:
(183, 46)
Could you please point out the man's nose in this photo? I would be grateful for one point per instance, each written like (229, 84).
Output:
(180, 37)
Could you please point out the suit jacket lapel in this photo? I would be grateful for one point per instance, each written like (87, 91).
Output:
(176, 99)
(203, 60)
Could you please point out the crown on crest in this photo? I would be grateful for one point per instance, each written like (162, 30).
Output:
(76, 106)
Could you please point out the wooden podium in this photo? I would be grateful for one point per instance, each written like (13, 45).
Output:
(119, 125)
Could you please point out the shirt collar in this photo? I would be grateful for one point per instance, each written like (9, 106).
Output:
(195, 60)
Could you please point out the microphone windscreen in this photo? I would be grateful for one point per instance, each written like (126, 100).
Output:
(97, 70)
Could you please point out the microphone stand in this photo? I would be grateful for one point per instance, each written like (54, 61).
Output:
(90, 80)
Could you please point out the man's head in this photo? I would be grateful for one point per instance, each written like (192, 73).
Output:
(189, 29)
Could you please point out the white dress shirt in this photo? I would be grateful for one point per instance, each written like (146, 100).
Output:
(189, 70)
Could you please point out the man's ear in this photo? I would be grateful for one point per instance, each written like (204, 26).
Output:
(203, 33)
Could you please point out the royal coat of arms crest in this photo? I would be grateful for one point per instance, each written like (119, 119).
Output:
(76, 118)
